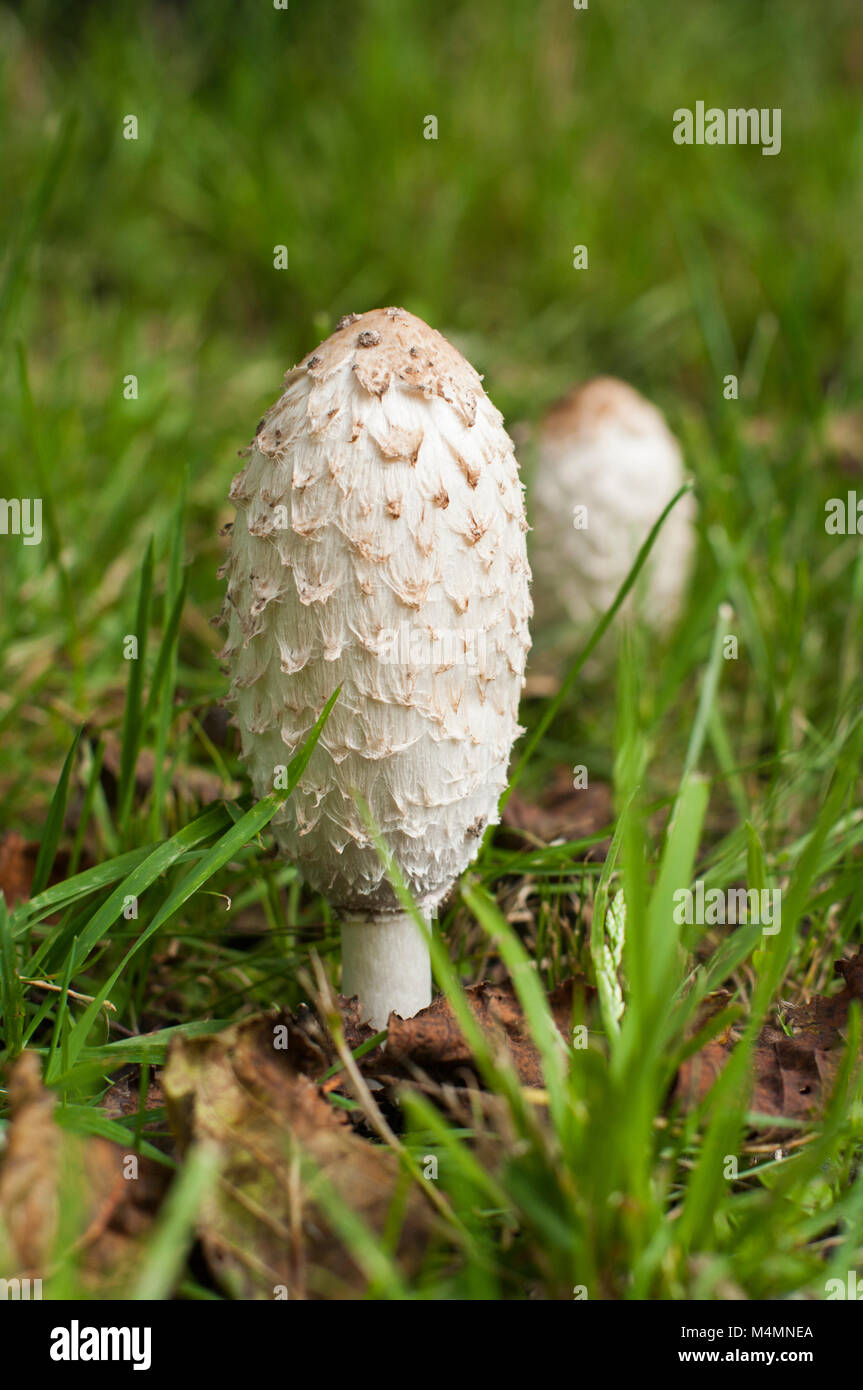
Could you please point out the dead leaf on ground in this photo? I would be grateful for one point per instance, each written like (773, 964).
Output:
(123, 1097)
(44, 1167)
(263, 1227)
(793, 1074)
(433, 1040)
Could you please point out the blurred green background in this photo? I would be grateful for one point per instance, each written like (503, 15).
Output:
(304, 127)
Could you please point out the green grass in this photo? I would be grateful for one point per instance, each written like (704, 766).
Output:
(153, 258)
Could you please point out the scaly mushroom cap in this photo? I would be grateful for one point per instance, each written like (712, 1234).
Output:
(379, 546)
(607, 448)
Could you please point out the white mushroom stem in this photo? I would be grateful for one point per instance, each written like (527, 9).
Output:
(385, 960)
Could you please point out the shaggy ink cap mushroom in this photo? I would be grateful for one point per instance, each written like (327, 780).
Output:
(379, 546)
(607, 466)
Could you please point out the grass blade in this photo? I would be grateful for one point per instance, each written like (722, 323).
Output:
(54, 821)
(133, 726)
(216, 858)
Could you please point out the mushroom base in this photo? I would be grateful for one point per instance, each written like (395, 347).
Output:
(385, 961)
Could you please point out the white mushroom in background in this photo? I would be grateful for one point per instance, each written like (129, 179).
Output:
(606, 466)
(379, 546)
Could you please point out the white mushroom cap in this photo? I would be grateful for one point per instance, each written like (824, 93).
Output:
(379, 546)
(606, 448)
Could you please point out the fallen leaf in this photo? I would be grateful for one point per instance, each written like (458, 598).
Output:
(793, 1073)
(44, 1168)
(263, 1229)
(434, 1041)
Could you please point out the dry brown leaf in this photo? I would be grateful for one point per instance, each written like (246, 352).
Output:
(44, 1167)
(433, 1040)
(262, 1228)
(793, 1075)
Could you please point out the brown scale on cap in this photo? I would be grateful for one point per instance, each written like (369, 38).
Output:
(391, 344)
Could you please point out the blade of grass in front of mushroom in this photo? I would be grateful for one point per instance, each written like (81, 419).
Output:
(215, 858)
(546, 1215)
(525, 981)
(497, 1073)
(328, 1010)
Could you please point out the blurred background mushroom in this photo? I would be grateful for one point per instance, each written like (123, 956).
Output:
(606, 465)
